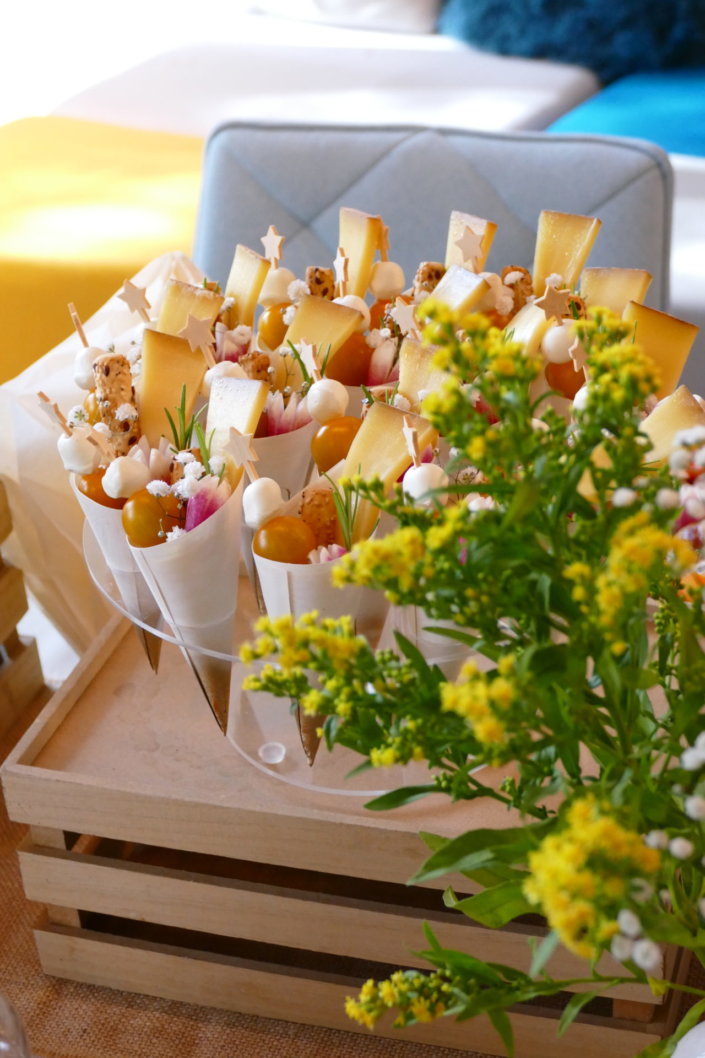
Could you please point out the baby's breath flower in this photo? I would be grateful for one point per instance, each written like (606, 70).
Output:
(647, 955)
(681, 848)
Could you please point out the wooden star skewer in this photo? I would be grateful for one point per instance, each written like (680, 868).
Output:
(411, 436)
(198, 334)
(579, 357)
(341, 272)
(272, 243)
(555, 303)
(54, 412)
(243, 453)
(307, 352)
(76, 320)
(470, 245)
(404, 315)
(135, 298)
(384, 243)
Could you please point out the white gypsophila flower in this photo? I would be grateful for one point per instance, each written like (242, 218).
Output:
(698, 458)
(667, 499)
(621, 947)
(480, 503)
(681, 848)
(126, 412)
(692, 758)
(187, 487)
(647, 955)
(679, 460)
(297, 289)
(629, 923)
(288, 314)
(217, 465)
(194, 469)
(376, 337)
(184, 457)
(690, 438)
(158, 487)
(623, 497)
(77, 415)
(175, 533)
(657, 839)
(695, 807)
(401, 402)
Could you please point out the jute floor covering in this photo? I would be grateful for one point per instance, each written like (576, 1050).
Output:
(69, 1020)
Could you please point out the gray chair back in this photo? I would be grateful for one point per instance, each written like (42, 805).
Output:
(298, 176)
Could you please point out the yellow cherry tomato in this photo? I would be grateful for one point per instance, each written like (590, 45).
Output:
(271, 327)
(285, 538)
(147, 519)
(91, 485)
(351, 362)
(332, 441)
(564, 378)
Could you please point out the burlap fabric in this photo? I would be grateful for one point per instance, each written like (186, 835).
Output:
(69, 1020)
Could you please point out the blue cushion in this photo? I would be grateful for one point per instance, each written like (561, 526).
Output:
(667, 108)
(611, 37)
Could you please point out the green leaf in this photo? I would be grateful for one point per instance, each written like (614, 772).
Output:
(542, 953)
(573, 1007)
(482, 848)
(504, 1027)
(493, 907)
(403, 796)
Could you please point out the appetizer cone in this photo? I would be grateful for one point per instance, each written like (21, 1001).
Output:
(194, 579)
(286, 457)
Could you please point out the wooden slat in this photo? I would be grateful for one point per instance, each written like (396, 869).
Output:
(13, 600)
(21, 682)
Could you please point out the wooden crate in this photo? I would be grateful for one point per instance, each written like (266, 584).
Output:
(169, 865)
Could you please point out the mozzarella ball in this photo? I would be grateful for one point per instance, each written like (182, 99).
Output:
(327, 399)
(387, 280)
(556, 342)
(261, 500)
(354, 302)
(419, 481)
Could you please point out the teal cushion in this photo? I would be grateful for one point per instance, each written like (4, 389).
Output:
(613, 38)
(666, 107)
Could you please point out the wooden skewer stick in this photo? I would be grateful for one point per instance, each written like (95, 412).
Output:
(412, 440)
(53, 411)
(76, 320)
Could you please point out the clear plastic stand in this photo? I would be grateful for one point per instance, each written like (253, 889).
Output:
(261, 727)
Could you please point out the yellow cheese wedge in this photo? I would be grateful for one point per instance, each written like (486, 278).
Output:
(322, 323)
(678, 411)
(417, 373)
(461, 289)
(360, 236)
(234, 402)
(666, 339)
(182, 300)
(379, 450)
(459, 223)
(245, 281)
(528, 326)
(168, 364)
(612, 288)
(563, 242)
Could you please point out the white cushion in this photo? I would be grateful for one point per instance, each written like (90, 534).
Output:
(400, 16)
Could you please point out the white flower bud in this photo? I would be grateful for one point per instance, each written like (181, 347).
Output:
(647, 955)
(657, 839)
(667, 499)
(695, 807)
(681, 848)
(629, 923)
(621, 947)
(692, 759)
(623, 497)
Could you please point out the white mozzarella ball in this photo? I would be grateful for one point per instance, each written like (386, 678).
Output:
(556, 342)
(419, 481)
(275, 287)
(124, 476)
(354, 302)
(580, 398)
(327, 399)
(261, 500)
(83, 366)
(387, 280)
(78, 454)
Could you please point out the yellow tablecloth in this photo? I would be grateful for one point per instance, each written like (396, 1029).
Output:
(83, 206)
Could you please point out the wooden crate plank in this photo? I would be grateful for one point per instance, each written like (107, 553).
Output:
(270, 991)
(13, 600)
(21, 681)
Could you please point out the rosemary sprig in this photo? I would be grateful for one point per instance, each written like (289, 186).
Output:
(346, 501)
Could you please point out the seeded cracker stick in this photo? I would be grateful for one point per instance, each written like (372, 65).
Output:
(115, 398)
(428, 275)
(321, 281)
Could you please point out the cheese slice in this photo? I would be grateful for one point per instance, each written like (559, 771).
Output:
(563, 242)
(612, 288)
(417, 373)
(379, 450)
(237, 403)
(528, 326)
(458, 225)
(245, 281)
(678, 411)
(360, 236)
(168, 365)
(666, 339)
(460, 289)
(182, 300)
(322, 323)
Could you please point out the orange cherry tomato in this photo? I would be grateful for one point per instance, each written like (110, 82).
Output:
(91, 485)
(285, 538)
(377, 312)
(564, 378)
(331, 442)
(350, 364)
(147, 519)
(271, 327)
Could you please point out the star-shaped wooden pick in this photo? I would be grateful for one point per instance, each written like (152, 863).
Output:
(307, 352)
(135, 298)
(555, 303)
(341, 271)
(242, 452)
(577, 354)
(384, 243)
(470, 246)
(102, 442)
(51, 408)
(411, 437)
(198, 334)
(76, 320)
(404, 315)
(273, 243)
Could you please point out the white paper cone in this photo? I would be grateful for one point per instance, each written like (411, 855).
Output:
(286, 457)
(296, 589)
(194, 580)
(106, 525)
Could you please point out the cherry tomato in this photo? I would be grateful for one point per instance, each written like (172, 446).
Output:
(284, 539)
(332, 441)
(564, 378)
(271, 327)
(147, 519)
(377, 312)
(351, 362)
(91, 485)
